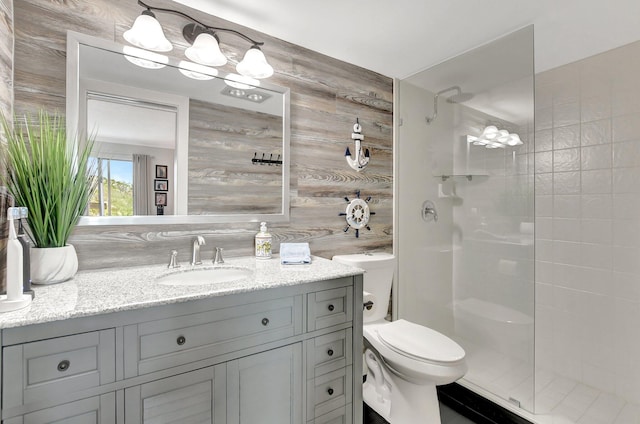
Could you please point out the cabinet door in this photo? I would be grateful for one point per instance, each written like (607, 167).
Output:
(194, 397)
(266, 387)
(94, 410)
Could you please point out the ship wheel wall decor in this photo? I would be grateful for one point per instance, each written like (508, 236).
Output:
(357, 213)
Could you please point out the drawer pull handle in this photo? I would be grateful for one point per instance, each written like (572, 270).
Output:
(64, 365)
(331, 307)
(330, 391)
(181, 340)
(330, 352)
(265, 321)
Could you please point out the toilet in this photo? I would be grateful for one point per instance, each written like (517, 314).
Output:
(404, 361)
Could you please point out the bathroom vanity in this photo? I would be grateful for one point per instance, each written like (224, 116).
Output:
(280, 346)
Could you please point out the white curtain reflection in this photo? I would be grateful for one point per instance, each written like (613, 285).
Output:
(140, 184)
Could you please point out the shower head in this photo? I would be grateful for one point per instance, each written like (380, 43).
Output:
(458, 97)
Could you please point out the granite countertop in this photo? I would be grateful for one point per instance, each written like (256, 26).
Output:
(112, 290)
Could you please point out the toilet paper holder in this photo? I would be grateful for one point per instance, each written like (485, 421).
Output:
(367, 305)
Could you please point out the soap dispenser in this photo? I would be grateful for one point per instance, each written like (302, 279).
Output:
(23, 238)
(263, 243)
(14, 299)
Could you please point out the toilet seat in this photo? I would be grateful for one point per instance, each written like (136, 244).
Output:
(412, 365)
(419, 343)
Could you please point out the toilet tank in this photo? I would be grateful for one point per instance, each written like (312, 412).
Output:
(379, 268)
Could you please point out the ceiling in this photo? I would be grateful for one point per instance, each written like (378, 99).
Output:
(403, 37)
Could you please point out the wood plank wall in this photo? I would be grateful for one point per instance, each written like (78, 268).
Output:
(327, 96)
(222, 178)
(6, 103)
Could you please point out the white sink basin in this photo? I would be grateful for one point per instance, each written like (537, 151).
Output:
(201, 276)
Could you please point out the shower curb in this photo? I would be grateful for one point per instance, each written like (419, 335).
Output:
(475, 407)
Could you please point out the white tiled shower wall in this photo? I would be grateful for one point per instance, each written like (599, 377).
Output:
(587, 209)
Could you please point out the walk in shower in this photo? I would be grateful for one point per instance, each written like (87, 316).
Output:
(532, 265)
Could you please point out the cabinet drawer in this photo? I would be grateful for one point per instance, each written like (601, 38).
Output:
(341, 415)
(329, 352)
(68, 364)
(170, 342)
(94, 410)
(328, 392)
(330, 307)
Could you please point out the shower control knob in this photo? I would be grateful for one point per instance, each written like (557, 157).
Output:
(330, 352)
(331, 307)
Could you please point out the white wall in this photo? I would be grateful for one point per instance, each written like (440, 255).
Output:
(424, 249)
(588, 221)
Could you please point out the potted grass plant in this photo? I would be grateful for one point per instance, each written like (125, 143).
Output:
(54, 178)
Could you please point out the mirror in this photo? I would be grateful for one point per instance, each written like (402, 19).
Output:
(177, 142)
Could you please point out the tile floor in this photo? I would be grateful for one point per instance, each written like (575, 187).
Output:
(558, 400)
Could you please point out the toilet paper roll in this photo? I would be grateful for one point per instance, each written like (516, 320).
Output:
(368, 297)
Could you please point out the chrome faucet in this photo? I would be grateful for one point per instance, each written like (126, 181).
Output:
(218, 259)
(195, 254)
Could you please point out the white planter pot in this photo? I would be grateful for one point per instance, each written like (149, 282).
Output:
(51, 265)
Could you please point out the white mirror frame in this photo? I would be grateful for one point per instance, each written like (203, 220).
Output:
(73, 118)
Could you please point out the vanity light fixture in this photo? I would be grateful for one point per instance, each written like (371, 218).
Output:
(145, 58)
(493, 138)
(196, 71)
(241, 82)
(147, 33)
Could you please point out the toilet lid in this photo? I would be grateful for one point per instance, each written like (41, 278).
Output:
(419, 342)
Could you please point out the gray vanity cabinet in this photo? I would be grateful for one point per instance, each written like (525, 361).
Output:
(279, 356)
(260, 388)
(196, 396)
(266, 387)
(94, 410)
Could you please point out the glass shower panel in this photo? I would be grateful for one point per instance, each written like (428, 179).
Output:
(470, 122)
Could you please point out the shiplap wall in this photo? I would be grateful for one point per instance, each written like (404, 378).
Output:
(6, 101)
(327, 95)
(222, 178)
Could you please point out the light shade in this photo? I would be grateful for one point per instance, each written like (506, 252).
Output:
(206, 51)
(493, 138)
(490, 132)
(254, 64)
(196, 71)
(145, 58)
(514, 140)
(241, 82)
(147, 33)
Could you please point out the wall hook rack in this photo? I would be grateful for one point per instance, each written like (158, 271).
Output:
(357, 214)
(362, 156)
(266, 160)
